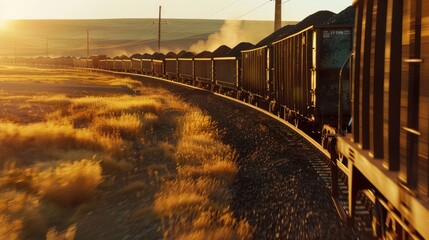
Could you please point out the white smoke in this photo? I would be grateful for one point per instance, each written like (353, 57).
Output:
(227, 35)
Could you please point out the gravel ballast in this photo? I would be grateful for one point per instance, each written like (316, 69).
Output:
(276, 189)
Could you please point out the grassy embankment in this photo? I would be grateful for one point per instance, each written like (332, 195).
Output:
(62, 154)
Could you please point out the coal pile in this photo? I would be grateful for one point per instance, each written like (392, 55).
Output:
(137, 55)
(345, 17)
(120, 57)
(318, 18)
(221, 51)
(158, 56)
(277, 35)
(185, 54)
(204, 54)
(171, 55)
(147, 56)
(236, 51)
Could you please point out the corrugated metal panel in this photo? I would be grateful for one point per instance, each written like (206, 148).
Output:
(423, 146)
(226, 72)
(171, 68)
(147, 66)
(392, 85)
(186, 68)
(158, 67)
(203, 69)
(127, 65)
(254, 64)
(137, 64)
(364, 75)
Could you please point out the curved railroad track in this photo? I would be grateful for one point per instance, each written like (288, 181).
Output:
(282, 187)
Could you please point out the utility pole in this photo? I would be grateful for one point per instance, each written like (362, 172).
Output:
(16, 57)
(159, 30)
(278, 15)
(87, 43)
(87, 47)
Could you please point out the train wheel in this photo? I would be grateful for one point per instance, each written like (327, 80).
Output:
(238, 95)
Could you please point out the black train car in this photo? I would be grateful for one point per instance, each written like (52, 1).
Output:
(387, 151)
(225, 73)
(158, 64)
(136, 65)
(203, 69)
(171, 66)
(185, 66)
(226, 67)
(255, 73)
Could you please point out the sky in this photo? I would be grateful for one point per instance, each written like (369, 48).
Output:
(292, 10)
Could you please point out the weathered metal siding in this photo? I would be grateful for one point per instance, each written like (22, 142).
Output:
(147, 66)
(117, 65)
(109, 64)
(158, 67)
(255, 67)
(292, 72)
(414, 96)
(226, 72)
(171, 68)
(103, 64)
(203, 69)
(423, 120)
(186, 68)
(127, 65)
(136, 65)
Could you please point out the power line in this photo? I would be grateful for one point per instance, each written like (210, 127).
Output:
(254, 9)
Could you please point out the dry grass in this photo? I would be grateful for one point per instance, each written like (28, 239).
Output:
(195, 205)
(69, 184)
(46, 178)
(126, 125)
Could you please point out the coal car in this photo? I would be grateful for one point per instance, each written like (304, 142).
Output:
(386, 155)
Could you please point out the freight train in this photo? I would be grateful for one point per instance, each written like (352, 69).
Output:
(362, 90)
(295, 77)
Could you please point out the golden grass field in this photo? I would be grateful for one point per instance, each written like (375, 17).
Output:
(74, 146)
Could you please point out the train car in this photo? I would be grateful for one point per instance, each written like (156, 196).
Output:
(186, 70)
(147, 66)
(226, 74)
(117, 65)
(386, 155)
(171, 66)
(103, 64)
(306, 67)
(110, 63)
(158, 64)
(255, 74)
(158, 67)
(127, 65)
(203, 70)
(136, 65)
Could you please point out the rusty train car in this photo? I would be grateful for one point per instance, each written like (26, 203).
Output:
(386, 155)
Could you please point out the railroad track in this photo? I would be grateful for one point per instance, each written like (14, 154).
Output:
(271, 155)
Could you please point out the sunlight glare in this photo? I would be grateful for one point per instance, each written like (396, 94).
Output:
(3, 23)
